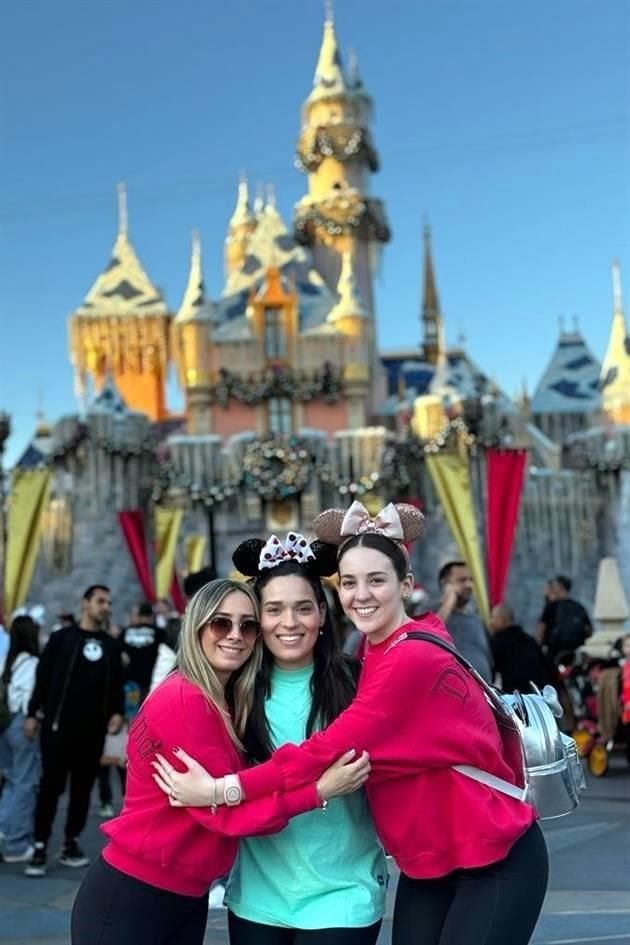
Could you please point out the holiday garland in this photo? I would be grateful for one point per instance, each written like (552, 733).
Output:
(325, 384)
(362, 217)
(342, 142)
(277, 467)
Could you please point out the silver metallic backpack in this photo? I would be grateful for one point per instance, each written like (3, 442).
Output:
(553, 777)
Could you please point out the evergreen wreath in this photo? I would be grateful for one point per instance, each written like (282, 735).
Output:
(277, 467)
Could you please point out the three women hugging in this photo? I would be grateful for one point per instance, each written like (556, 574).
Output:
(260, 741)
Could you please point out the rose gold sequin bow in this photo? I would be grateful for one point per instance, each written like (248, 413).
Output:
(357, 521)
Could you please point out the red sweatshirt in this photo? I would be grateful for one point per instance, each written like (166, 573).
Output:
(183, 849)
(418, 713)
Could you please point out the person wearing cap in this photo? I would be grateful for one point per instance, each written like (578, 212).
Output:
(473, 859)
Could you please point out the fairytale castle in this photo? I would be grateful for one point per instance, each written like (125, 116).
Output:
(290, 403)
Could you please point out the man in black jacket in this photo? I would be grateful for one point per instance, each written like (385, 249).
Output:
(78, 698)
(517, 657)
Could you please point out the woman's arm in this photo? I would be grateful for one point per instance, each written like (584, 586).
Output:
(409, 715)
(197, 788)
(183, 713)
(365, 724)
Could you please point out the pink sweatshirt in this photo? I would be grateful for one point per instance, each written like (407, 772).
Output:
(184, 849)
(417, 713)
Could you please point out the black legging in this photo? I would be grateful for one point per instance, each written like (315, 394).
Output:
(243, 932)
(488, 906)
(114, 908)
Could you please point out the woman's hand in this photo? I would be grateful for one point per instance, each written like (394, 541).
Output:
(192, 788)
(345, 776)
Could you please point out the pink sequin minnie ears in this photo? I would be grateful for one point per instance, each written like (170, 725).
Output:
(401, 523)
(294, 548)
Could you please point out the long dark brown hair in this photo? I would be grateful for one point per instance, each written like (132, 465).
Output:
(24, 638)
(335, 675)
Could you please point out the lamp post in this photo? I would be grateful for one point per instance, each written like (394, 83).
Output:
(5, 432)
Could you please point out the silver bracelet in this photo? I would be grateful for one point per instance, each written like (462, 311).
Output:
(213, 805)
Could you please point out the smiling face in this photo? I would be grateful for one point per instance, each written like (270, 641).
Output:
(227, 651)
(371, 592)
(291, 620)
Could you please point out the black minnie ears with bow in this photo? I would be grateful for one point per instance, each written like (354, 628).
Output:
(253, 556)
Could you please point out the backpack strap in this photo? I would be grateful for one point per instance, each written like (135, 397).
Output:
(490, 693)
(469, 771)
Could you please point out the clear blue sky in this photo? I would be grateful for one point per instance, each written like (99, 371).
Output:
(507, 123)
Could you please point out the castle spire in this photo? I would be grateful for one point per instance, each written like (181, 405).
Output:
(242, 212)
(123, 220)
(433, 342)
(123, 287)
(194, 303)
(355, 81)
(122, 326)
(615, 375)
(329, 78)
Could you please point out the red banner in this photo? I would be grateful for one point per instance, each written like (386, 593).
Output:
(133, 529)
(177, 594)
(505, 470)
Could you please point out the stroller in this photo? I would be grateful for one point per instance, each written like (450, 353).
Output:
(594, 690)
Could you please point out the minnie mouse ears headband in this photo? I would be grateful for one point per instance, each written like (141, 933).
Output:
(253, 557)
(401, 523)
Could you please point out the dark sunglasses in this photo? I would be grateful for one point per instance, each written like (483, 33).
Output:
(221, 626)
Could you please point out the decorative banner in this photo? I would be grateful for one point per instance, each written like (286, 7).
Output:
(167, 523)
(195, 547)
(505, 470)
(177, 594)
(28, 500)
(449, 472)
(133, 530)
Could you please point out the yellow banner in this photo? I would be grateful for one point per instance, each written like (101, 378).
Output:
(167, 526)
(195, 549)
(27, 503)
(449, 472)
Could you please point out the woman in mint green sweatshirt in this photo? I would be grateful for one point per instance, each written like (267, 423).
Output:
(322, 880)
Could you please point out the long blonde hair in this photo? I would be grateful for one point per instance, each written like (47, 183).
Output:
(193, 663)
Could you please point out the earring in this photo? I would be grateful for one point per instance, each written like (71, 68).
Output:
(321, 633)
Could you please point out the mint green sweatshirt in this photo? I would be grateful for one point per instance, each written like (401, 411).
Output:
(326, 869)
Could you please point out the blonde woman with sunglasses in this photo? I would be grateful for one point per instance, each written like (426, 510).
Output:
(151, 883)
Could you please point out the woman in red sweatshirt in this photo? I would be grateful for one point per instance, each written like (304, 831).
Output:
(151, 882)
(473, 860)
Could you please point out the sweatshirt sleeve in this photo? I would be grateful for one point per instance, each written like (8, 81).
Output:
(407, 715)
(201, 733)
(255, 818)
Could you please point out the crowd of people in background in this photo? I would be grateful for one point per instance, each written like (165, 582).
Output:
(66, 708)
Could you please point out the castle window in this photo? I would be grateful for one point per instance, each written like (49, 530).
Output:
(275, 335)
(280, 419)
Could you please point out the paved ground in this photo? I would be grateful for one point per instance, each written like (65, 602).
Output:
(588, 902)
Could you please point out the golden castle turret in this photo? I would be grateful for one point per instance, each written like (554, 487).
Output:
(191, 335)
(122, 328)
(335, 150)
(432, 322)
(615, 375)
